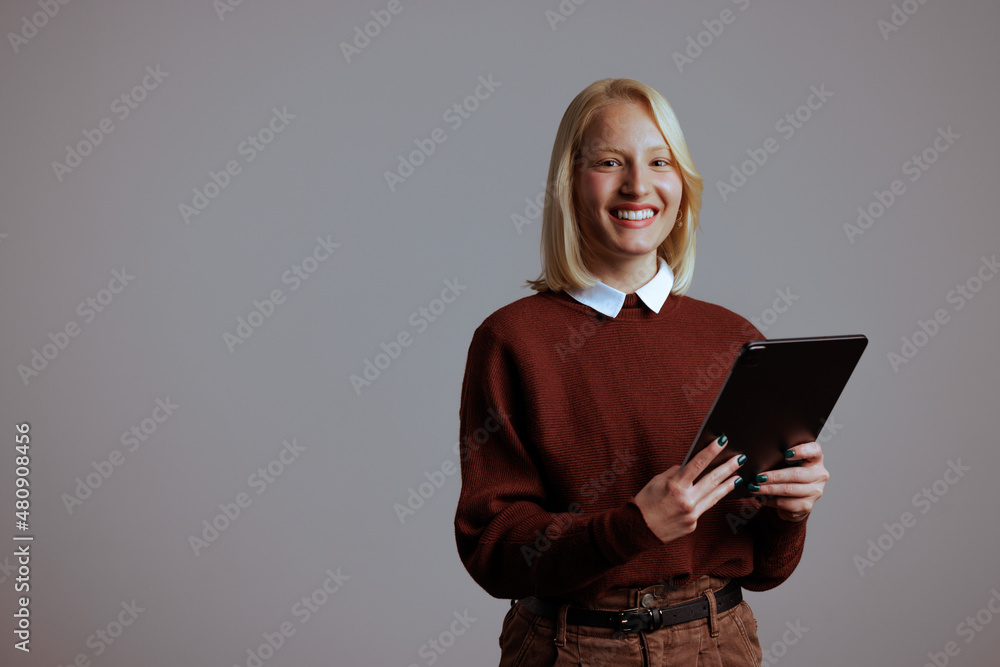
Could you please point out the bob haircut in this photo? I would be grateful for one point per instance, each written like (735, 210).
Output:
(562, 251)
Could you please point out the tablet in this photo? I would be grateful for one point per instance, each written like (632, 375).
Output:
(778, 394)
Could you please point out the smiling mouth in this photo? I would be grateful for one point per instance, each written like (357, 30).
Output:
(643, 214)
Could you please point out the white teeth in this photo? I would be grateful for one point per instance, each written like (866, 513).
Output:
(634, 215)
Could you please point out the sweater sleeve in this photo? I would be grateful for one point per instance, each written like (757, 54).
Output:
(512, 538)
(777, 549)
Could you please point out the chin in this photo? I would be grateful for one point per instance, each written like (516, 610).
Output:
(632, 253)
(639, 247)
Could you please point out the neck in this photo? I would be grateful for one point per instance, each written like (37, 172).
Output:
(629, 276)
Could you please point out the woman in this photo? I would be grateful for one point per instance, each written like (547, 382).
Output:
(579, 404)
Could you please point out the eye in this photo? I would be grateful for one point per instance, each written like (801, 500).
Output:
(604, 163)
(661, 162)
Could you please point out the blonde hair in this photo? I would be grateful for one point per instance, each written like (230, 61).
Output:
(562, 253)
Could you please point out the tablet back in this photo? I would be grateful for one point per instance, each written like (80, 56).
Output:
(778, 394)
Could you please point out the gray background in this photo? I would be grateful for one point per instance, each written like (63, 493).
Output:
(333, 506)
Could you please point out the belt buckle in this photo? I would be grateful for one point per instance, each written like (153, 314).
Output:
(634, 620)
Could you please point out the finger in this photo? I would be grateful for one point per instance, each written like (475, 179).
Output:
(808, 452)
(796, 475)
(793, 509)
(719, 475)
(702, 459)
(786, 490)
(717, 493)
(783, 502)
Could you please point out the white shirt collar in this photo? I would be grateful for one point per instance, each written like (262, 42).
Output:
(609, 301)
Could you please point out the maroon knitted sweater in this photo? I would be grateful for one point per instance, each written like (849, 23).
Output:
(565, 415)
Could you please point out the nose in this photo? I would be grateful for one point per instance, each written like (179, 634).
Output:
(635, 181)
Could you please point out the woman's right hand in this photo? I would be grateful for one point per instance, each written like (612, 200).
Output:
(672, 502)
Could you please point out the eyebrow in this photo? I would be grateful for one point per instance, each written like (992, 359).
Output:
(622, 151)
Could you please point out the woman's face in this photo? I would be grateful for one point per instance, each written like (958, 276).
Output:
(627, 190)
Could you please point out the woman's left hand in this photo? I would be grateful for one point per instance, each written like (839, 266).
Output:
(793, 491)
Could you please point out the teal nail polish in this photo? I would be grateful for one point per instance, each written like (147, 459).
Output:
(761, 478)
(789, 453)
(753, 488)
(742, 459)
(739, 480)
(723, 440)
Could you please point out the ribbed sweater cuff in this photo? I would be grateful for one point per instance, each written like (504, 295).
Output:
(622, 534)
(779, 550)
(787, 534)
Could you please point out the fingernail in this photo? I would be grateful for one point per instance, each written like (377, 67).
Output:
(789, 453)
(723, 440)
(742, 459)
(753, 488)
(761, 478)
(739, 480)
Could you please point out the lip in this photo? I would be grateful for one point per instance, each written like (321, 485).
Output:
(632, 206)
(633, 224)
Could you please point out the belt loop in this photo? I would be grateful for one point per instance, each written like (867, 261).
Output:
(713, 619)
(560, 639)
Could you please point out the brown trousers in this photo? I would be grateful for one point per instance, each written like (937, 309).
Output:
(724, 639)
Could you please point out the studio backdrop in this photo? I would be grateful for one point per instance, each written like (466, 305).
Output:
(244, 246)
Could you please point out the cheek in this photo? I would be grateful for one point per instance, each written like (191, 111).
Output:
(676, 186)
(672, 189)
(588, 192)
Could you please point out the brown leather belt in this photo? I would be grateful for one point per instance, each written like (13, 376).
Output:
(640, 619)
